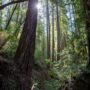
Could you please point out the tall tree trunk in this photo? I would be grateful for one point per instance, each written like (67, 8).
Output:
(53, 43)
(24, 57)
(0, 17)
(75, 14)
(58, 31)
(86, 4)
(43, 45)
(48, 29)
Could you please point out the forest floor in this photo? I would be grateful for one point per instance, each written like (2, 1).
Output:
(81, 82)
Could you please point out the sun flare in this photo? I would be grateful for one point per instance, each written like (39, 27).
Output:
(39, 6)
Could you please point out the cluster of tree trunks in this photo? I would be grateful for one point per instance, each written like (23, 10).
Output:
(24, 58)
(82, 82)
(49, 53)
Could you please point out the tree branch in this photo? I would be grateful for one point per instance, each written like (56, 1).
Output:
(10, 3)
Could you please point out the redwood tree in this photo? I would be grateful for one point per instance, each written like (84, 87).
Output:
(24, 57)
(48, 29)
(86, 4)
(53, 41)
(58, 30)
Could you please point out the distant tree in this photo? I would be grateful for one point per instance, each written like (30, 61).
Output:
(53, 43)
(48, 29)
(10, 18)
(58, 30)
(86, 4)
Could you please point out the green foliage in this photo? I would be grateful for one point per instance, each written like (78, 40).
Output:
(53, 84)
(10, 47)
(69, 65)
(73, 41)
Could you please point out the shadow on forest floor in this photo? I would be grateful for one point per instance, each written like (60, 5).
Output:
(81, 82)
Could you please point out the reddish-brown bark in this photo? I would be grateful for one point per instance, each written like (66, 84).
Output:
(24, 57)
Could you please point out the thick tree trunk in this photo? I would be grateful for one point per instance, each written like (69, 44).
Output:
(24, 57)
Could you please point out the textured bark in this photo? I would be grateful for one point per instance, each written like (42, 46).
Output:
(58, 31)
(24, 57)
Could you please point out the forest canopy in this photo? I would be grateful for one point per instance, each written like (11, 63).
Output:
(44, 44)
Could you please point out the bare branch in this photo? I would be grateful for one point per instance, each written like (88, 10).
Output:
(10, 3)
